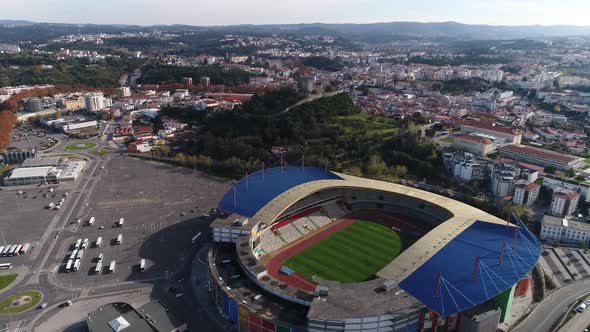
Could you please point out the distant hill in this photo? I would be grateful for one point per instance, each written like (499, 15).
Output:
(11, 30)
(15, 22)
(377, 31)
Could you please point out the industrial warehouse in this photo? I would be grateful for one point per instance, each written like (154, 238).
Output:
(306, 249)
(45, 170)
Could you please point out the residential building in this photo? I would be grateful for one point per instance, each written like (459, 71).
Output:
(557, 183)
(564, 203)
(96, 102)
(473, 144)
(34, 105)
(74, 103)
(542, 157)
(526, 194)
(139, 147)
(466, 166)
(9, 48)
(504, 177)
(564, 230)
(205, 81)
(124, 91)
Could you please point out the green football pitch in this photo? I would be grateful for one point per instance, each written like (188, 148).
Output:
(352, 254)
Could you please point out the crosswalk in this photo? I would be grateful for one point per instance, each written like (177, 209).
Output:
(14, 326)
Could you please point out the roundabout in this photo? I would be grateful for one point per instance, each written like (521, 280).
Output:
(19, 302)
(80, 146)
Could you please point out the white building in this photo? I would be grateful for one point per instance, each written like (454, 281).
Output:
(96, 102)
(32, 175)
(563, 230)
(559, 184)
(526, 194)
(504, 177)
(564, 203)
(124, 91)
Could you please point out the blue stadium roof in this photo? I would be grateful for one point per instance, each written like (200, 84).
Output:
(456, 263)
(262, 190)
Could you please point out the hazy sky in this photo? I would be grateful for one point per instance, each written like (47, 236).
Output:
(227, 12)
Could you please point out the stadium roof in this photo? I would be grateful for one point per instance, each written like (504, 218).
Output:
(460, 286)
(258, 189)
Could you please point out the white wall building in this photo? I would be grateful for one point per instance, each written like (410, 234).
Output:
(526, 194)
(564, 203)
(563, 230)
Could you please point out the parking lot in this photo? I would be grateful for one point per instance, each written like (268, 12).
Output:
(25, 216)
(28, 138)
(161, 206)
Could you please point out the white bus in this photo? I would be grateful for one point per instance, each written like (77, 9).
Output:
(69, 265)
(196, 237)
(120, 222)
(12, 250)
(77, 264)
(98, 242)
(112, 266)
(17, 250)
(98, 267)
(142, 265)
(120, 239)
(78, 243)
(5, 266)
(25, 248)
(5, 250)
(2, 249)
(73, 254)
(85, 244)
(80, 254)
(91, 221)
(50, 206)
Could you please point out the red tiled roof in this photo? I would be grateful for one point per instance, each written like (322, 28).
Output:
(486, 126)
(542, 153)
(567, 195)
(532, 186)
(474, 139)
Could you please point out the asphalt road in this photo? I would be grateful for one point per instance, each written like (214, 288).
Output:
(546, 314)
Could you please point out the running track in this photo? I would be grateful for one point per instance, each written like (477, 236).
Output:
(297, 280)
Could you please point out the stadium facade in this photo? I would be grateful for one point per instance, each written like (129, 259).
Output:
(461, 273)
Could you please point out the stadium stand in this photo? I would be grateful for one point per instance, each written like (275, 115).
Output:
(334, 210)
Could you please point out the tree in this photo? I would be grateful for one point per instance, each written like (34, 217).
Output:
(376, 167)
(549, 170)
(354, 171)
(570, 173)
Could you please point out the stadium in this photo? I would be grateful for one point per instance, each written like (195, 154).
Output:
(307, 249)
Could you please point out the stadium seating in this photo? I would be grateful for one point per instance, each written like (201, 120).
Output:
(334, 210)
(297, 226)
(319, 219)
(314, 199)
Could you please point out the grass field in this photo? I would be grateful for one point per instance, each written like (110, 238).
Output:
(353, 254)
(32, 299)
(7, 279)
(80, 146)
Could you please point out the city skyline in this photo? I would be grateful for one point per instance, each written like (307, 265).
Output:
(150, 12)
